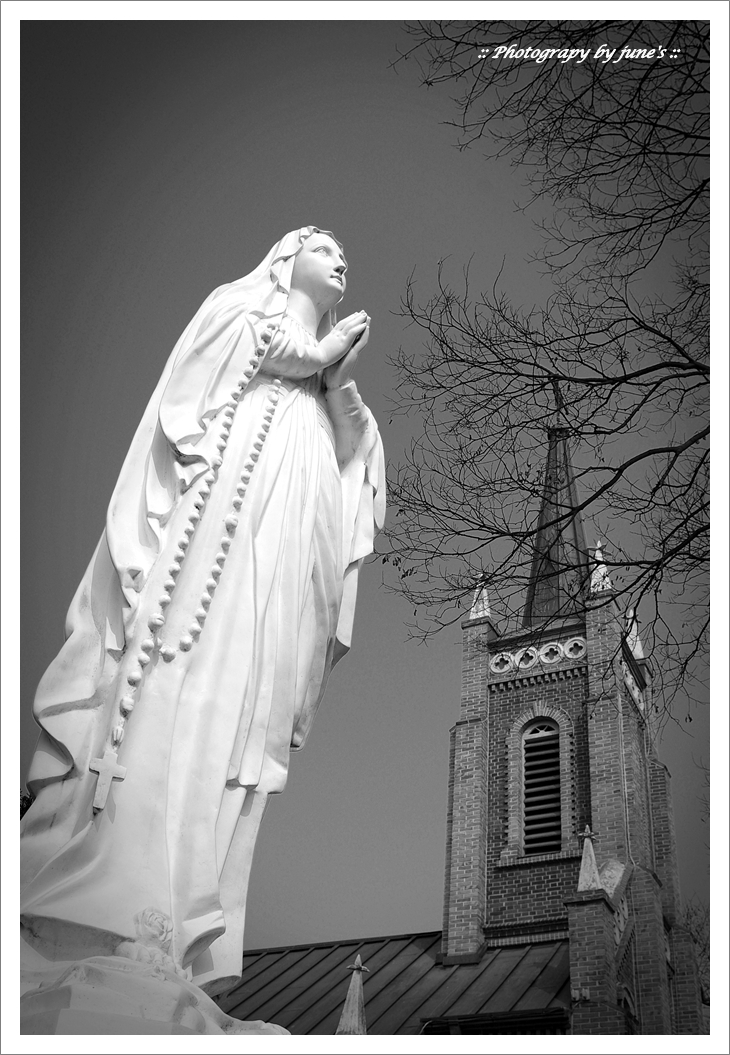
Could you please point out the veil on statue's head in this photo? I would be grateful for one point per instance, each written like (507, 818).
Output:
(265, 290)
(216, 357)
(213, 353)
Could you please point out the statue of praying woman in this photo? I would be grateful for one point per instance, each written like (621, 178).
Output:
(200, 641)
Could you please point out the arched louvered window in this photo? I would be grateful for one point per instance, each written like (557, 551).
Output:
(541, 770)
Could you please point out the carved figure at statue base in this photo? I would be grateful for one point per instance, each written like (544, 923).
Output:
(200, 641)
(138, 990)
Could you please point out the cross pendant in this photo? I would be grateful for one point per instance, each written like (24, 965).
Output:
(108, 770)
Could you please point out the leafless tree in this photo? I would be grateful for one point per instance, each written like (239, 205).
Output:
(620, 152)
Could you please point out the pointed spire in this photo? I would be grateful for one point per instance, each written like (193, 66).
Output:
(559, 572)
(600, 579)
(632, 635)
(352, 1019)
(589, 878)
(480, 604)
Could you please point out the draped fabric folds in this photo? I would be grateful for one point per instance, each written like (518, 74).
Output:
(200, 640)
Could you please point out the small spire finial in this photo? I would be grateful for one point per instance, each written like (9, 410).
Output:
(480, 604)
(352, 1019)
(600, 579)
(589, 878)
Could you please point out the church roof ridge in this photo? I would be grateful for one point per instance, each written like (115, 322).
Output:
(343, 941)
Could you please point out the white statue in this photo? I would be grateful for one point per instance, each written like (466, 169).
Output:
(200, 641)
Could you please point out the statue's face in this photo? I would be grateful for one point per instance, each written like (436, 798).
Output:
(319, 270)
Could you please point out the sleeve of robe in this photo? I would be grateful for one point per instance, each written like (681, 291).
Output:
(362, 469)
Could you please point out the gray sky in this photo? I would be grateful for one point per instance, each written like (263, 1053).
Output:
(159, 160)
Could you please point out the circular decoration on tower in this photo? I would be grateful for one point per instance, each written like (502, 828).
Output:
(501, 663)
(526, 658)
(575, 648)
(551, 652)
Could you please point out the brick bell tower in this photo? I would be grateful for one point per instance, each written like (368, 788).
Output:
(560, 822)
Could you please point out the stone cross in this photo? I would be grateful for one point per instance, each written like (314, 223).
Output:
(108, 770)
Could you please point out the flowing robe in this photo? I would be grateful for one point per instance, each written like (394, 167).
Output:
(219, 598)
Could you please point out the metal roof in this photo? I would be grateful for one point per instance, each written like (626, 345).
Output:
(303, 987)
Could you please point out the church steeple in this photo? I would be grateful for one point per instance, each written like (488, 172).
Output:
(553, 740)
(559, 572)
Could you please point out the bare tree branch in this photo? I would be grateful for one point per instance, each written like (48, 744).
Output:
(621, 151)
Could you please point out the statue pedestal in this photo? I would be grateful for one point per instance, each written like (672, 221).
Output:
(107, 995)
(94, 1023)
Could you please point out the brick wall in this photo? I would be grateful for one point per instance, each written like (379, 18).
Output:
(532, 889)
(664, 839)
(652, 974)
(684, 978)
(466, 889)
(604, 734)
(594, 1007)
(610, 781)
(489, 884)
(685, 981)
